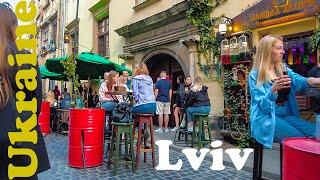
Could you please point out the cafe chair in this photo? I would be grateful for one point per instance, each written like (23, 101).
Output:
(63, 120)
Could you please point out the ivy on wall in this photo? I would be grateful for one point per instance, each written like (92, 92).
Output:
(315, 38)
(198, 14)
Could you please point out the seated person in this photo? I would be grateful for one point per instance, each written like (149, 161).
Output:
(197, 101)
(65, 103)
(93, 99)
(51, 99)
(107, 102)
(315, 101)
(142, 87)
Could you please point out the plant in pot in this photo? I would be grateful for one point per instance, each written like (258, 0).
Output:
(70, 71)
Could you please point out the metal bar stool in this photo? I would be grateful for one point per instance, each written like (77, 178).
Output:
(257, 161)
(200, 121)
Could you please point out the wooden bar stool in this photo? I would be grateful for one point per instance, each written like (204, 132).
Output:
(199, 129)
(144, 120)
(114, 155)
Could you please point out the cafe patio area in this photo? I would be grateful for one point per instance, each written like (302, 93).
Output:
(57, 147)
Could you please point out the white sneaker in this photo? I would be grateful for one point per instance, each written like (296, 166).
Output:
(183, 123)
(190, 129)
(166, 130)
(174, 129)
(159, 130)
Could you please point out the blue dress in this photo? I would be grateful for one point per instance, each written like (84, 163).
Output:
(270, 122)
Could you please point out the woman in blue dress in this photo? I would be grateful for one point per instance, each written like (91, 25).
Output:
(274, 115)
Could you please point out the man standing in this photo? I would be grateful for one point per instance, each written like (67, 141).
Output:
(163, 93)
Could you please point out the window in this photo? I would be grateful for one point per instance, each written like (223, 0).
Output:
(54, 31)
(103, 37)
(45, 36)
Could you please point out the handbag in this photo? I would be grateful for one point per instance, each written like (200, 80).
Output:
(122, 113)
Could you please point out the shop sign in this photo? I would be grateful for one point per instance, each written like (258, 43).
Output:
(270, 12)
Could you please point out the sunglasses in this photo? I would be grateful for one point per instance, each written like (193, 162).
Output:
(7, 5)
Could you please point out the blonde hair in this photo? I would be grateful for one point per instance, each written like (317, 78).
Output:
(8, 21)
(141, 68)
(262, 62)
(51, 97)
(197, 86)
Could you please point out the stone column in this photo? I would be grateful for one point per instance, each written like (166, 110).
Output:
(191, 42)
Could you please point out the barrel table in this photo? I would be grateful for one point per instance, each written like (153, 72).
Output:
(86, 137)
(44, 118)
(301, 159)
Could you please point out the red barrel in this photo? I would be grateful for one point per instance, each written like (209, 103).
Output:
(44, 118)
(90, 122)
(301, 159)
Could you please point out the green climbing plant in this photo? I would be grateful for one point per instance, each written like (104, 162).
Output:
(70, 71)
(198, 14)
(315, 39)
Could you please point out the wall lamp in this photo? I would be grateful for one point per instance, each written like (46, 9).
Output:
(225, 25)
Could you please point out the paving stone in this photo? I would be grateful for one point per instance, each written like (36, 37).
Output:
(57, 147)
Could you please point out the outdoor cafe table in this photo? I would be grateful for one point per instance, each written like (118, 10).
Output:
(86, 137)
(301, 159)
(126, 96)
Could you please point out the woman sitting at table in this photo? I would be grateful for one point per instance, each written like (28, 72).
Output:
(107, 102)
(142, 87)
(51, 99)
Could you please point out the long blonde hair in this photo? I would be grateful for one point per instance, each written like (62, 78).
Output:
(263, 60)
(8, 21)
(141, 68)
(197, 86)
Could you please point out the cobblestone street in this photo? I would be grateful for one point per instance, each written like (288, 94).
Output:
(57, 146)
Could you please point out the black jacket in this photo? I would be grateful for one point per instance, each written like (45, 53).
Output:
(198, 98)
(8, 123)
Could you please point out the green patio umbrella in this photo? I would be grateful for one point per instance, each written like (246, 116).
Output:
(121, 68)
(92, 66)
(45, 73)
(55, 65)
(89, 65)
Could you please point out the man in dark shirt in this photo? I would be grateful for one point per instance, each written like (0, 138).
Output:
(163, 93)
(315, 72)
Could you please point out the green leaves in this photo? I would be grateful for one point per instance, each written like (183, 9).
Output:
(315, 40)
(198, 14)
(70, 71)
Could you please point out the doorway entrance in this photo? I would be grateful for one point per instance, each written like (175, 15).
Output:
(165, 62)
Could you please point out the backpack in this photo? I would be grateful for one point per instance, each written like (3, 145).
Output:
(122, 113)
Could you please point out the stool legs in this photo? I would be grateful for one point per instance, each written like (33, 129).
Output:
(257, 164)
(147, 123)
(152, 143)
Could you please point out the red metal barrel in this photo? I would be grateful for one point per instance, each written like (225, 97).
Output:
(301, 159)
(44, 118)
(90, 122)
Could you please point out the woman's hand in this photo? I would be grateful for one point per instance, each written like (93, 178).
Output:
(282, 82)
(314, 81)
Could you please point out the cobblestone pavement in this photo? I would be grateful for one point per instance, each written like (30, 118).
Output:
(57, 146)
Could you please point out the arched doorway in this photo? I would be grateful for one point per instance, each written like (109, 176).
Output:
(160, 62)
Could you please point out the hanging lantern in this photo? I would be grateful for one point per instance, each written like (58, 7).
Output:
(225, 51)
(234, 50)
(243, 48)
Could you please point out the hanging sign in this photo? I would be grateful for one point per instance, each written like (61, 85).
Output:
(270, 12)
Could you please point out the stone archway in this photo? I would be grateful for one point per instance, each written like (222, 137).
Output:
(164, 59)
